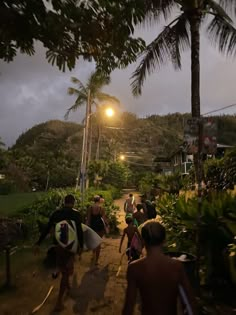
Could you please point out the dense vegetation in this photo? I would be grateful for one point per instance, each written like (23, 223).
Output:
(50, 153)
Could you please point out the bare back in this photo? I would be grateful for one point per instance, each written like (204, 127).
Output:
(130, 231)
(157, 279)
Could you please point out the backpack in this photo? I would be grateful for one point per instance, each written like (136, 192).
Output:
(151, 210)
(66, 235)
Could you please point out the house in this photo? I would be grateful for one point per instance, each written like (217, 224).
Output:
(181, 161)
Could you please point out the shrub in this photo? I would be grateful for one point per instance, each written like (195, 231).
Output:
(41, 209)
(7, 187)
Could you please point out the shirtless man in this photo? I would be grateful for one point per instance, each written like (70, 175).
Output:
(156, 277)
(130, 230)
(129, 205)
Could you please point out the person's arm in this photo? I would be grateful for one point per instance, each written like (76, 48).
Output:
(121, 241)
(184, 282)
(125, 205)
(47, 230)
(88, 217)
(131, 293)
(103, 215)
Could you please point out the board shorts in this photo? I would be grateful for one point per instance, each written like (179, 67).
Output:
(97, 224)
(65, 261)
(132, 253)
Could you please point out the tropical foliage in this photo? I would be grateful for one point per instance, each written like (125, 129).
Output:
(36, 214)
(69, 29)
(182, 33)
(90, 92)
(52, 150)
(217, 230)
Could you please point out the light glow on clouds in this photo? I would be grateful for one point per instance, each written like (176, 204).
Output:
(32, 91)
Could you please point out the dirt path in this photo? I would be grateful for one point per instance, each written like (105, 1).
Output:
(97, 291)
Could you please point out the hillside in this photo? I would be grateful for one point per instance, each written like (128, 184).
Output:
(52, 150)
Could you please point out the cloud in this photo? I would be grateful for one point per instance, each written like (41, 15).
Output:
(32, 91)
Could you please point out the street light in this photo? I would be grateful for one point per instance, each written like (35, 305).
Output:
(109, 112)
(122, 157)
(82, 172)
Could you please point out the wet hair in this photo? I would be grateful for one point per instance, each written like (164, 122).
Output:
(129, 220)
(96, 198)
(131, 195)
(139, 206)
(153, 234)
(69, 200)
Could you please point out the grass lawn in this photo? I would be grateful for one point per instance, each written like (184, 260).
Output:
(11, 204)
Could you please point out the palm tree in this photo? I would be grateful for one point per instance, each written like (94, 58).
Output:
(92, 95)
(183, 33)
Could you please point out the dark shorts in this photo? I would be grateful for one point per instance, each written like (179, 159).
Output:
(65, 261)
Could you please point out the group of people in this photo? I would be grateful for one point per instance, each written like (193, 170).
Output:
(156, 276)
(68, 220)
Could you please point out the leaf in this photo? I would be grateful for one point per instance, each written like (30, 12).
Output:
(167, 46)
(223, 34)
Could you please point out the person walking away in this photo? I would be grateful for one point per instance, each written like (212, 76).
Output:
(157, 277)
(130, 231)
(130, 205)
(138, 215)
(149, 208)
(102, 200)
(68, 238)
(96, 219)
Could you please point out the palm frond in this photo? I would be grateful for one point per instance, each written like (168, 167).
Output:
(167, 46)
(223, 34)
(77, 82)
(107, 97)
(97, 81)
(218, 9)
(73, 91)
(154, 9)
(80, 101)
(229, 6)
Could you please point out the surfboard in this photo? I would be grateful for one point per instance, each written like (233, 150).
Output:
(91, 239)
(136, 243)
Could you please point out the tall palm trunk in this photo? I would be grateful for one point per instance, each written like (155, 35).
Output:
(89, 141)
(195, 21)
(98, 143)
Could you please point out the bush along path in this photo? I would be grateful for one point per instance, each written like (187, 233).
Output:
(93, 290)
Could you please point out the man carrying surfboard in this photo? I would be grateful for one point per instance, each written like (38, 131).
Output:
(68, 239)
(158, 278)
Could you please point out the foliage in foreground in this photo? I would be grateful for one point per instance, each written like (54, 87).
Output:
(217, 230)
(94, 30)
(34, 216)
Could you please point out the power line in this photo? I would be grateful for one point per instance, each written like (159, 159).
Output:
(219, 109)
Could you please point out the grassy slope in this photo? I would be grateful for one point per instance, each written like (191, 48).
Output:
(11, 204)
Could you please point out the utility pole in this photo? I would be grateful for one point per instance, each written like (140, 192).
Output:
(199, 174)
(82, 173)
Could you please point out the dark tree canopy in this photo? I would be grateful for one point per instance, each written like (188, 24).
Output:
(95, 30)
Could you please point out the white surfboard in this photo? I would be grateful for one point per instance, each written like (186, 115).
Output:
(91, 239)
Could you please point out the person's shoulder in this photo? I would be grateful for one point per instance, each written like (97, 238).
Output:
(76, 213)
(174, 263)
(137, 265)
